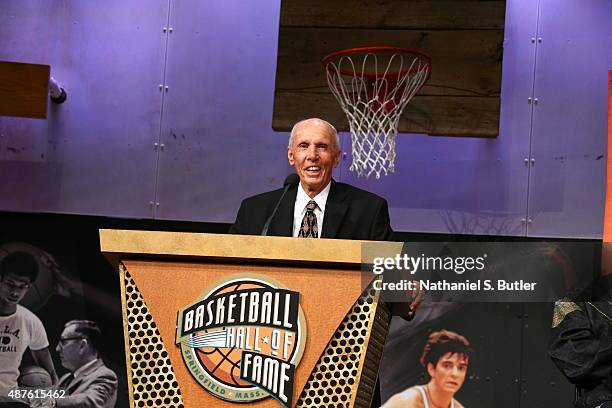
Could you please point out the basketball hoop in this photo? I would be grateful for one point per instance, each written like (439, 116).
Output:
(373, 85)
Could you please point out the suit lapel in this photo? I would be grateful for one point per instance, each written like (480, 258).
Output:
(65, 381)
(282, 225)
(75, 383)
(335, 210)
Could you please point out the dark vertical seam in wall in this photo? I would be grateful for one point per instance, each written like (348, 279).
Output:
(161, 114)
(521, 383)
(533, 96)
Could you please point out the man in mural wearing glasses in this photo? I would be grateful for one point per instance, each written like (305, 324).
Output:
(19, 328)
(90, 383)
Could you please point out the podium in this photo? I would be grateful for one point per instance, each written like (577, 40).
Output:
(212, 320)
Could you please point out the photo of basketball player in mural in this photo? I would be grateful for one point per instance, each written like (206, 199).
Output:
(20, 329)
(446, 357)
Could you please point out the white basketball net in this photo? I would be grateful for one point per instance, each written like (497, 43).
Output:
(373, 88)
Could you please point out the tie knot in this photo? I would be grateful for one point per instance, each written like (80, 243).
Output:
(311, 205)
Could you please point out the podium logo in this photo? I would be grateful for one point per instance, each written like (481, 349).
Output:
(243, 339)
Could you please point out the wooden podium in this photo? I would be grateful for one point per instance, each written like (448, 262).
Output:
(173, 284)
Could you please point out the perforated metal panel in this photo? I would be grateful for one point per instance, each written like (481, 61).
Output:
(150, 372)
(345, 375)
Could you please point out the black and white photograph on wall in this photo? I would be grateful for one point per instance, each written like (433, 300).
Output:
(61, 338)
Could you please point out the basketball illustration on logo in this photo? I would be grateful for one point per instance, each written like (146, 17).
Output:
(243, 339)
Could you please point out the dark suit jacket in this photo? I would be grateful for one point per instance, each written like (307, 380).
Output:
(350, 213)
(94, 388)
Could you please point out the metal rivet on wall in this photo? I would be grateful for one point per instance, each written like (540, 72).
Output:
(528, 99)
(171, 29)
(165, 29)
(162, 146)
(529, 221)
(532, 162)
(166, 88)
(523, 220)
(526, 161)
(539, 39)
(533, 40)
(535, 101)
(155, 146)
(161, 86)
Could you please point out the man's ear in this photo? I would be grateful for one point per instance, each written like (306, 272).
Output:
(290, 157)
(337, 159)
(431, 369)
(83, 344)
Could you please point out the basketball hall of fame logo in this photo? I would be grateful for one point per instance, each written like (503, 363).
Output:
(243, 339)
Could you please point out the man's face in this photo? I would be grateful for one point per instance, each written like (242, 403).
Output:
(69, 348)
(313, 154)
(13, 288)
(449, 373)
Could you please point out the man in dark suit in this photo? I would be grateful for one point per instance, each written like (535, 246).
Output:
(317, 206)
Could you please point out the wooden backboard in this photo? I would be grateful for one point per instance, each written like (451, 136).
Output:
(24, 89)
(463, 37)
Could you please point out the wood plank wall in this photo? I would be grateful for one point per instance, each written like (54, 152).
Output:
(463, 37)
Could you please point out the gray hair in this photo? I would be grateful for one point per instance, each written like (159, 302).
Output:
(88, 329)
(298, 124)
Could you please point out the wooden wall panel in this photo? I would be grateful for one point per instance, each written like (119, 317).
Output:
(24, 89)
(435, 115)
(404, 14)
(464, 39)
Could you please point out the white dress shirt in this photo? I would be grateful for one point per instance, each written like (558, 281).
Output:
(301, 201)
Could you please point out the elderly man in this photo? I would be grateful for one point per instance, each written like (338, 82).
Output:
(20, 329)
(90, 383)
(318, 206)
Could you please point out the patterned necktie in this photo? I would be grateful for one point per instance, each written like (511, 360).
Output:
(309, 227)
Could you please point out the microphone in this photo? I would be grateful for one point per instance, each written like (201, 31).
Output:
(290, 181)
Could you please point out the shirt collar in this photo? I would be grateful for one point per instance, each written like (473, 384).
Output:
(302, 198)
(84, 367)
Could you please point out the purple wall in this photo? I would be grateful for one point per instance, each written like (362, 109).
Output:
(96, 153)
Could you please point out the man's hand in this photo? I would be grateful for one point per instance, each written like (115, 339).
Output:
(407, 310)
(42, 403)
